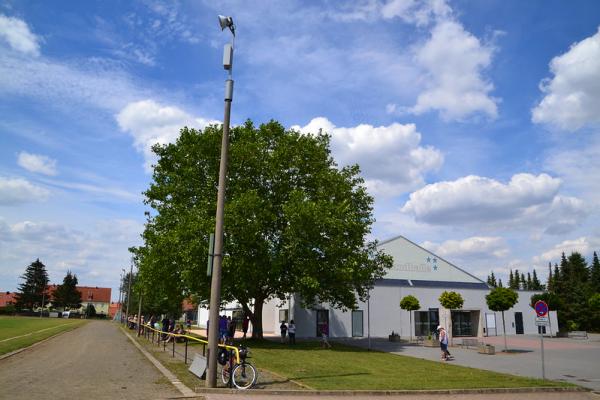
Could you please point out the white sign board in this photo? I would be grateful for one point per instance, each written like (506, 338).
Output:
(198, 366)
(542, 321)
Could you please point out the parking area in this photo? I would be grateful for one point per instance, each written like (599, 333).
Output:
(572, 360)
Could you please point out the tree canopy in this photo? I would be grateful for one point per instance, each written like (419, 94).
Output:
(32, 290)
(66, 295)
(451, 300)
(409, 303)
(294, 221)
(501, 299)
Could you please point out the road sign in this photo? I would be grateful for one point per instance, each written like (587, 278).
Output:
(542, 321)
(541, 308)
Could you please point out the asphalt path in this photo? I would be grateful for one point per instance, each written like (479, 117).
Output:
(95, 361)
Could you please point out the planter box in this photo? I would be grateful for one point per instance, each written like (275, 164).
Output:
(486, 349)
(431, 343)
(394, 338)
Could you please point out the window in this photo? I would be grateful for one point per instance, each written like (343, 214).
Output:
(357, 323)
(283, 315)
(426, 322)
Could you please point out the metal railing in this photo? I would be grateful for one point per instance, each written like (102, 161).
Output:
(160, 337)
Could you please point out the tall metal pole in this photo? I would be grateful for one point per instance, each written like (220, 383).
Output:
(369, 320)
(128, 293)
(139, 320)
(121, 296)
(215, 287)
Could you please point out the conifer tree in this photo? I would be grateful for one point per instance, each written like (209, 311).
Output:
(67, 296)
(500, 283)
(535, 282)
(523, 282)
(31, 292)
(511, 280)
(529, 282)
(516, 281)
(549, 284)
(595, 274)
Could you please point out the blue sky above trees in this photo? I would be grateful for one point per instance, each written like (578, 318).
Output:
(476, 124)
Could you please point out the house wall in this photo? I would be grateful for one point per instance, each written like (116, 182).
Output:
(386, 315)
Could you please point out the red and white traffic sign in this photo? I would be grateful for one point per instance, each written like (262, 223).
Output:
(541, 308)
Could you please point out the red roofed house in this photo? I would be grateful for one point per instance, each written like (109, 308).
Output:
(7, 298)
(97, 296)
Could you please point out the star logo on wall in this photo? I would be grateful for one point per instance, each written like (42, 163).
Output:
(428, 259)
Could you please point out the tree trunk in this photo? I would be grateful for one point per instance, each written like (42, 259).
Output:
(410, 326)
(256, 318)
(504, 329)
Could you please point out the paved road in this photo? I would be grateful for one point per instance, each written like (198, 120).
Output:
(566, 359)
(95, 361)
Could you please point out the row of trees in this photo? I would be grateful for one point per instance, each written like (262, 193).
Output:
(517, 281)
(33, 292)
(573, 287)
(295, 222)
(499, 299)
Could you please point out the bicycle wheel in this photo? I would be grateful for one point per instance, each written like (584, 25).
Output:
(244, 376)
(225, 374)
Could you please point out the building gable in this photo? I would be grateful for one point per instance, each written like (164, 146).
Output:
(414, 263)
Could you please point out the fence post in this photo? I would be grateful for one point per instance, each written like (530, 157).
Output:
(164, 344)
(185, 356)
(173, 337)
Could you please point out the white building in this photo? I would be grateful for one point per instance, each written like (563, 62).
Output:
(418, 272)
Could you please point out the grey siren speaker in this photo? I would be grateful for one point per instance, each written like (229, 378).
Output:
(226, 22)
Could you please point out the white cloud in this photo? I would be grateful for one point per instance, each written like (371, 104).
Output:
(454, 60)
(96, 256)
(572, 96)
(37, 163)
(150, 123)
(390, 157)
(584, 245)
(475, 201)
(18, 36)
(416, 12)
(476, 246)
(15, 191)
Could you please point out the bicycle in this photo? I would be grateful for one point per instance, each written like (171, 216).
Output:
(244, 374)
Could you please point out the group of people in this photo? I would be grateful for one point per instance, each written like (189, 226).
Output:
(228, 326)
(288, 330)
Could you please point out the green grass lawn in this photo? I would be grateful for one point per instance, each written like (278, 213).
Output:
(351, 368)
(19, 332)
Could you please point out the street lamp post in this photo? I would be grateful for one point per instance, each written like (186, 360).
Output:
(128, 294)
(121, 296)
(215, 287)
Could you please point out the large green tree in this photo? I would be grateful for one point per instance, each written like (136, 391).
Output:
(67, 296)
(32, 291)
(502, 299)
(294, 221)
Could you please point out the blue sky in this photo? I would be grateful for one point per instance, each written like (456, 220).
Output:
(476, 124)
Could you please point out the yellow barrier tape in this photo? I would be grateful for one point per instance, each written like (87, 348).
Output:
(225, 346)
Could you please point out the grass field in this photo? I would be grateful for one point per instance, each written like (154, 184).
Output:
(19, 332)
(345, 367)
(350, 368)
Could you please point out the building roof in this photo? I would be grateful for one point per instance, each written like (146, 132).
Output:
(7, 298)
(417, 264)
(90, 293)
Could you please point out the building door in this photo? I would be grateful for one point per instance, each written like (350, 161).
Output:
(490, 324)
(519, 323)
(357, 323)
(322, 320)
(461, 323)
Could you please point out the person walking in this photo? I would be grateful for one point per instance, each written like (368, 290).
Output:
(245, 325)
(292, 332)
(283, 329)
(443, 336)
